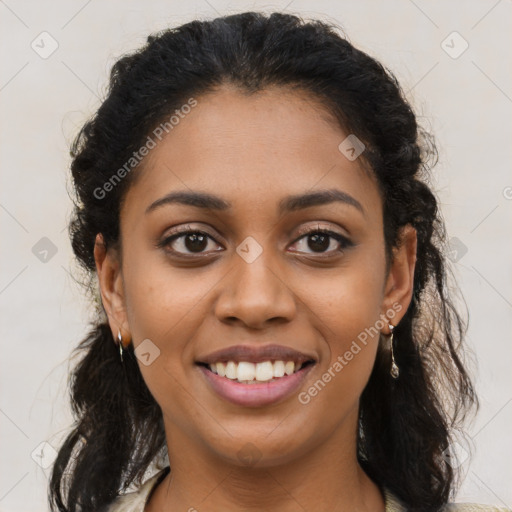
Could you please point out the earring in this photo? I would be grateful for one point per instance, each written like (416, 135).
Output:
(120, 343)
(395, 372)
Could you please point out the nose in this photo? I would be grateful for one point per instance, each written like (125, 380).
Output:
(255, 294)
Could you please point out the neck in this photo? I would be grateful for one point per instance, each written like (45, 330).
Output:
(325, 477)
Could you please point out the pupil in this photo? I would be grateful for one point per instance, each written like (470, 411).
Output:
(321, 240)
(198, 242)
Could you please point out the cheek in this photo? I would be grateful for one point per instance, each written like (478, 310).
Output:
(352, 334)
(352, 338)
(349, 299)
(167, 307)
(161, 300)
(347, 309)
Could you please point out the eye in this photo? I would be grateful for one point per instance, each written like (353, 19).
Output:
(186, 239)
(320, 239)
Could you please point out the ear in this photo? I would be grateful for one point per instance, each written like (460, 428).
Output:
(111, 288)
(400, 280)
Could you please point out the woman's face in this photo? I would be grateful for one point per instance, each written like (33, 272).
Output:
(253, 277)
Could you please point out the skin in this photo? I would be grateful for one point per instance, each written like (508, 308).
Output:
(252, 151)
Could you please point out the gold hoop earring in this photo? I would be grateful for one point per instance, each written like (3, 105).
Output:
(395, 371)
(120, 343)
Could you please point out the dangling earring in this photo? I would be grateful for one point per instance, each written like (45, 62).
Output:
(395, 372)
(120, 340)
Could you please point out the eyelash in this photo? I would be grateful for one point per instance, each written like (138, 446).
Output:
(182, 232)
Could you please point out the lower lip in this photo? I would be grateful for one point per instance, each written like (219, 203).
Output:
(256, 395)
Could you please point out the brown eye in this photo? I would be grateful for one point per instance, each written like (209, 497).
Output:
(319, 240)
(186, 242)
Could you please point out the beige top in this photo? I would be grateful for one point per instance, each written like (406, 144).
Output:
(136, 501)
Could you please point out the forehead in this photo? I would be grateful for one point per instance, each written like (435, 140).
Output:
(252, 150)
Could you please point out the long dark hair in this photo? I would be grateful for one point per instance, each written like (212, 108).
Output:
(406, 426)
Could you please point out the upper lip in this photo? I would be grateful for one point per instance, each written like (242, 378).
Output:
(256, 354)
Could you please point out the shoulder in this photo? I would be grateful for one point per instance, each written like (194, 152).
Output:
(135, 501)
(474, 507)
(393, 504)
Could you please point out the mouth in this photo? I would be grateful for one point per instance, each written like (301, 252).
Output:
(255, 375)
(249, 373)
(242, 383)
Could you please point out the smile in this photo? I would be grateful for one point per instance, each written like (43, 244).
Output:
(255, 385)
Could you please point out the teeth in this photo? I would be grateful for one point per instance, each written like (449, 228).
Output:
(231, 372)
(221, 369)
(278, 369)
(247, 371)
(264, 371)
(261, 372)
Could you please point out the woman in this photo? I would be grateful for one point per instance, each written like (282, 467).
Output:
(274, 319)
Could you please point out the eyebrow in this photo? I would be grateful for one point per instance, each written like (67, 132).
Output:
(286, 205)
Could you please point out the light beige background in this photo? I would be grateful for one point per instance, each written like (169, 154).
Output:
(465, 100)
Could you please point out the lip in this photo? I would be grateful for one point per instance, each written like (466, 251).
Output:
(257, 354)
(255, 395)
